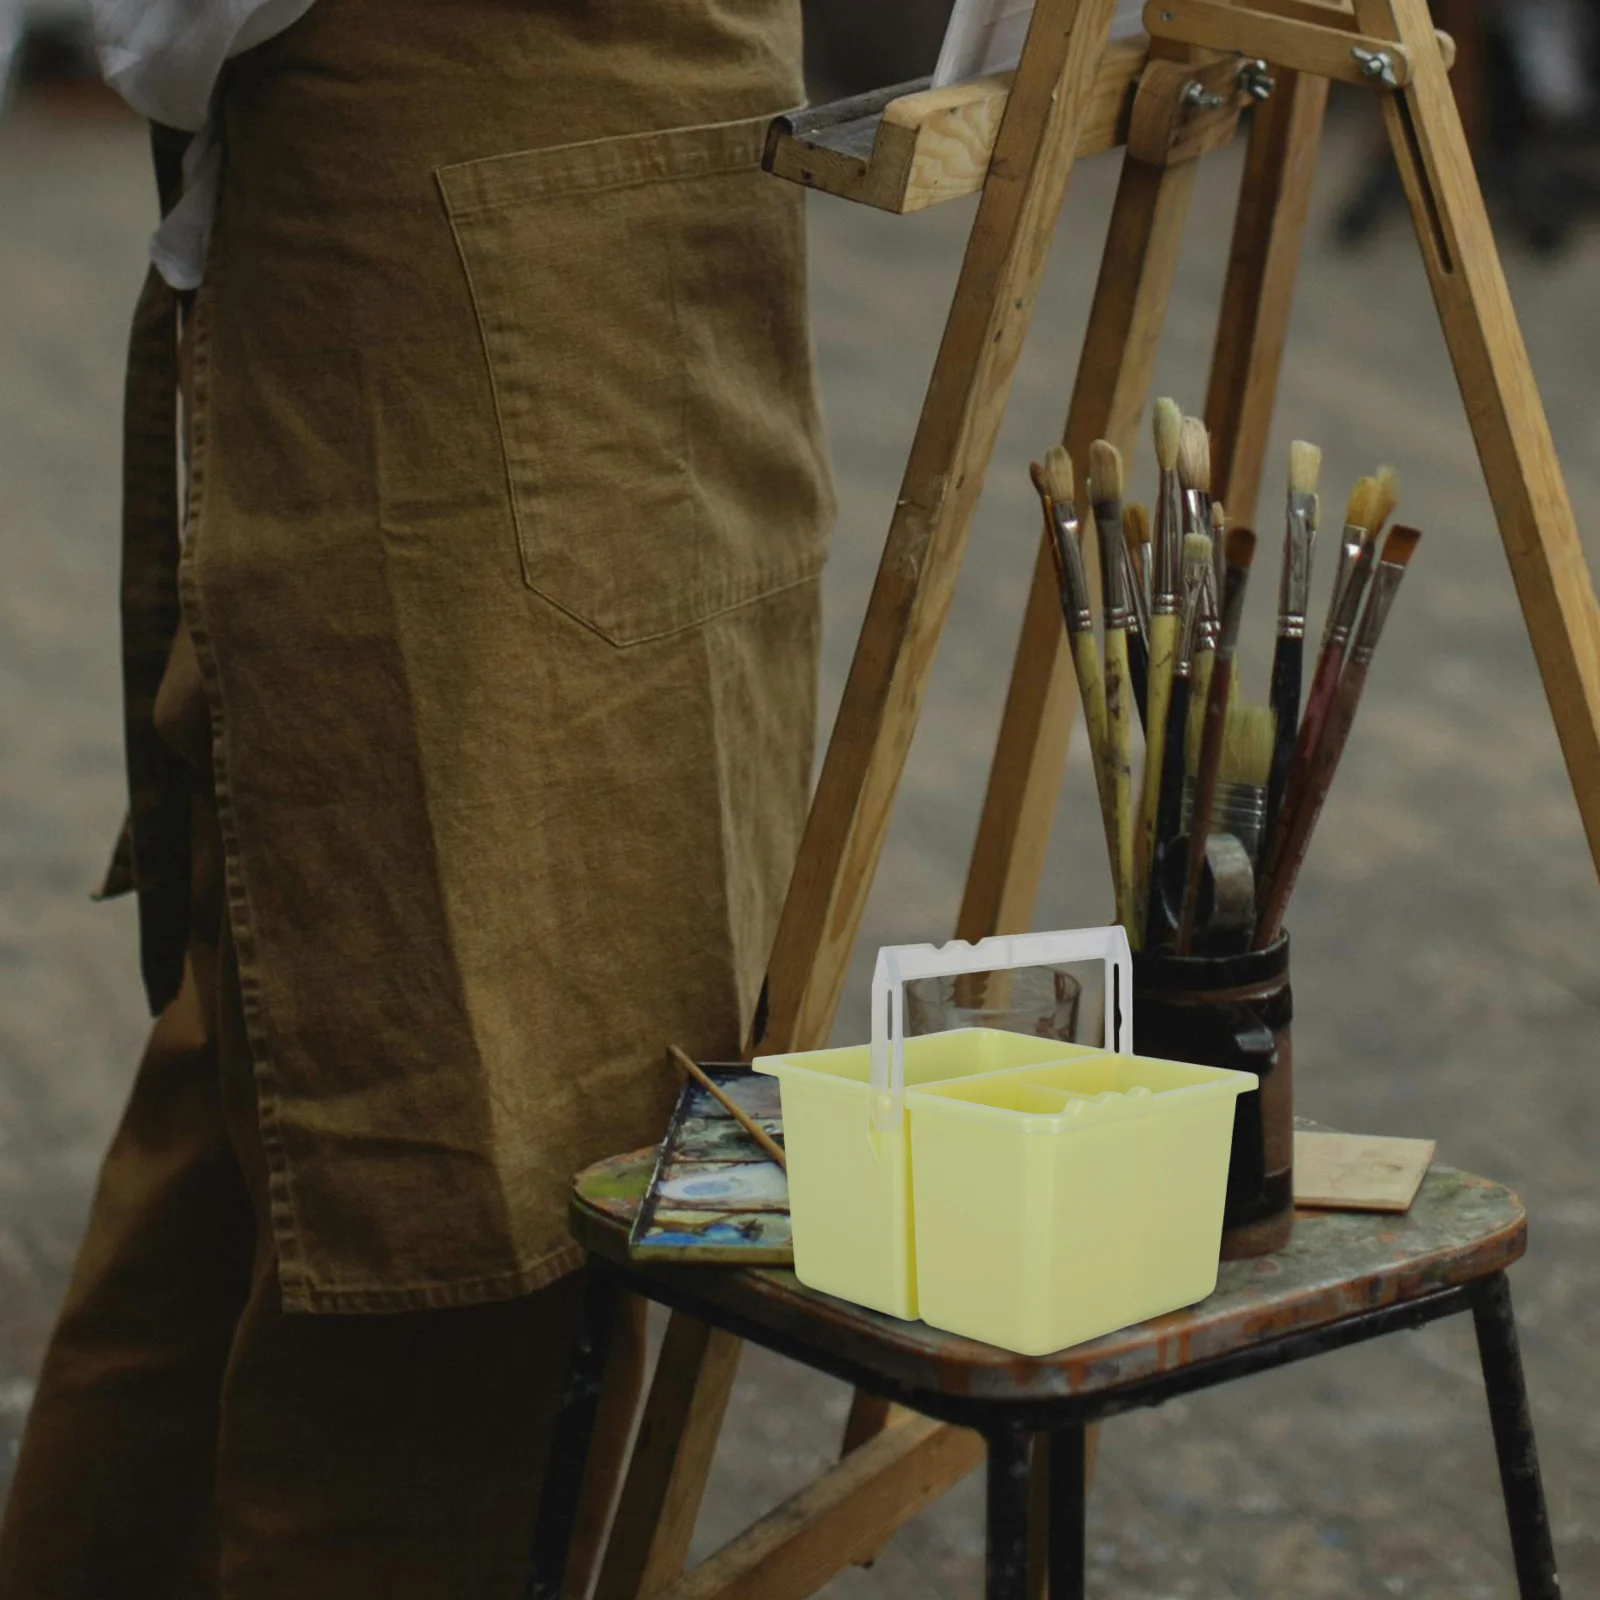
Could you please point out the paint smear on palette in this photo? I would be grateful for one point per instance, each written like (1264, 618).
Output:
(715, 1196)
(726, 1185)
(754, 1093)
(732, 1238)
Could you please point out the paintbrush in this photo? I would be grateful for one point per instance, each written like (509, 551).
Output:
(1294, 592)
(1194, 478)
(1241, 549)
(1371, 501)
(1105, 495)
(1398, 549)
(737, 1112)
(1241, 803)
(1135, 540)
(1206, 640)
(1196, 580)
(1380, 494)
(1054, 481)
(1165, 599)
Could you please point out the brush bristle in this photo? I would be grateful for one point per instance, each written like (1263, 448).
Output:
(1036, 473)
(1168, 431)
(1305, 467)
(1363, 505)
(1388, 482)
(1194, 455)
(1400, 546)
(1105, 472)
(1247, 744)
(1219, 520)
(1241, 548)
(1058, 476)
(1196, 551)
(1136, 526)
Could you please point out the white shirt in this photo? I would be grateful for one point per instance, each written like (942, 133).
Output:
(164, 57)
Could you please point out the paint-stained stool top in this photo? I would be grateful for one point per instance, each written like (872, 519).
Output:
(1339, 1264)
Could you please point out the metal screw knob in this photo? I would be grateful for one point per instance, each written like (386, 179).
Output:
(1378, 65)
(1256, 80)
(1201, 98)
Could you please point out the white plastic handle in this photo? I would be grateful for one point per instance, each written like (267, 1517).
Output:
(899, 964)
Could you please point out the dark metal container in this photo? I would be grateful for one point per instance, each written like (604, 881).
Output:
(1233, 1011)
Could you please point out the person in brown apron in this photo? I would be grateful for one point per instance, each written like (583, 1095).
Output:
(469, 745)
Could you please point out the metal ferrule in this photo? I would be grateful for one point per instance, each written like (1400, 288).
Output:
(1385, 586)
(1232, 614)
(1194, 597)
(1294, 584)
(1350, 544)
(1168, 584)
(1196, 511)
(1343, 617)
(1113, 564)
(1139, 622)
(1074, 580)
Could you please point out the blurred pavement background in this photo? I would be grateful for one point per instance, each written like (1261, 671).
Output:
(1446, 966)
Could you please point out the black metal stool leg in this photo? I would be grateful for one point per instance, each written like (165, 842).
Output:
(1513, 1442)
(1006, 1566)
(569, 1444)
(1069, 1493)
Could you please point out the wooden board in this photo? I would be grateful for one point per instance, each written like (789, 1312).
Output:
(931, 145)
(1359, 1172)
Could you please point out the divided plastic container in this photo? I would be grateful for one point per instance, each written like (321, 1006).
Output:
(1019, 1190)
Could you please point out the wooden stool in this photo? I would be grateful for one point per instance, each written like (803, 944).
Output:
(1345, 1278)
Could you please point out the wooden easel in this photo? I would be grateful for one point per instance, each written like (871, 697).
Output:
(1168, 100)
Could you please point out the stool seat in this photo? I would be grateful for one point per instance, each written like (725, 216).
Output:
(1340, 1267)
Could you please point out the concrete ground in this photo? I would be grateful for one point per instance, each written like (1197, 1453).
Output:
(1445, 962)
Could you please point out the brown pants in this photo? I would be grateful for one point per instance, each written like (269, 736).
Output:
(190, 1440)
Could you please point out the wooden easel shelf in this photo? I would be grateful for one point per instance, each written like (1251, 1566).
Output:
(910, 147)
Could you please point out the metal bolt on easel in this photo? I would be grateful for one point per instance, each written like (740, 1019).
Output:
(1256, 80)
(1201, 98)
(1377, 65)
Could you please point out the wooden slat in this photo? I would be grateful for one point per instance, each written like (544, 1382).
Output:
(955, 439)
(1326, 51)
(671, 1459)
(1258, 296)
(1503, 405)
(844, 1516)
(1114, 375)
(933, 145)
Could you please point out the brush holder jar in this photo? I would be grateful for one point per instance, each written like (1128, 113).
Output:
(1233, 1011)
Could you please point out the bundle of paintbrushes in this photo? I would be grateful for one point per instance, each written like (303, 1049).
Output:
(1206, 847)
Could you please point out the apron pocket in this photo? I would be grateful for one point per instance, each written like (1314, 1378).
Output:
(642, 306)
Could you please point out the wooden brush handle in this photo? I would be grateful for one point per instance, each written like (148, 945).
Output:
(1163, 653)
(1139, 676)
(1119, 778)
(1341, 716)
(1092, 689)
(1205, 794)
(1169, 810)
(1324, 689)
(1287, 670)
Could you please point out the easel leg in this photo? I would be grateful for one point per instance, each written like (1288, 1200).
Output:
(1513, 1442)
(1503, 405)
(1033, 157)
(569, 1446)
(671, 1460)
(1006, 1559)
(1258, 297)
(1114, 375)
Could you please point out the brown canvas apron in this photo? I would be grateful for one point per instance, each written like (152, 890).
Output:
(506, 503)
